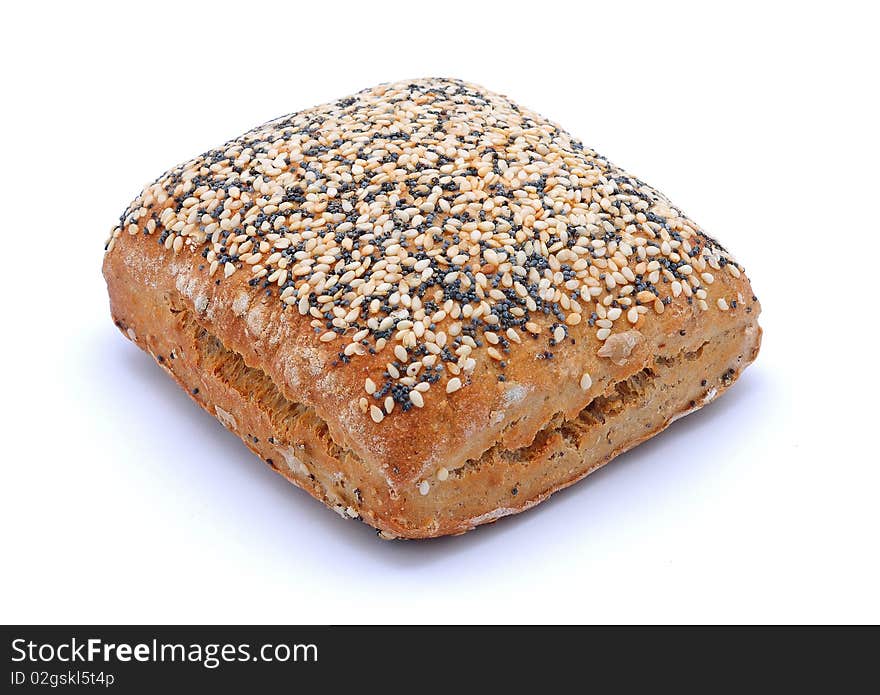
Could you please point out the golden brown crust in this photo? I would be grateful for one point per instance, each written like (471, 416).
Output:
(538, 443)
(430, 471)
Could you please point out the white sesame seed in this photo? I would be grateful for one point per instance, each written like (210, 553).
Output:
(586, 382)
(606, 227)
(376, 413)
(442, 474)
(424, 487)
(416, 398)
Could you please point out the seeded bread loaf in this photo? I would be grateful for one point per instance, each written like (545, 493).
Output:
(427, 306)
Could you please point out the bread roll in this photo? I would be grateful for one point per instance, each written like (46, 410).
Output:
(427, 306)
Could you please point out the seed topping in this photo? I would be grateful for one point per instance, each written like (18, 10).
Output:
(436, 223)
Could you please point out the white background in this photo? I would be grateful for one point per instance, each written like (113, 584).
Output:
(122, 501)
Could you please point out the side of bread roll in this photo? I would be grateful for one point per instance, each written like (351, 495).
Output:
(426, 305)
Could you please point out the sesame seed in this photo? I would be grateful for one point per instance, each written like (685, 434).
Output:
(433, 216)
(586, 382)
(376, 413)
(442, 474)
(424, 487)
(416, 398)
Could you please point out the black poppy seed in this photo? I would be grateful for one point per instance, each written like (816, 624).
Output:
(296, 224)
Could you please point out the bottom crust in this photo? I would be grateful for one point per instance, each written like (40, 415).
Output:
(293, 440)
